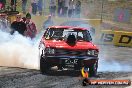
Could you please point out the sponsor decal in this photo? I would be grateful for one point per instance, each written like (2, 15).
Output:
(118, 38)
(126, 39)
(122, 15)
(107, 37)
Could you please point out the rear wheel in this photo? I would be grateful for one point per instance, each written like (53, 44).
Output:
(44, 67)
(93, 69)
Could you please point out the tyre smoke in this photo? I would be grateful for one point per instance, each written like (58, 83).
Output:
(111, 60)
(18, 51)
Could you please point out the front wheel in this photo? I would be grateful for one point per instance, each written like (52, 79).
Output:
(44, 67)
(93, 69)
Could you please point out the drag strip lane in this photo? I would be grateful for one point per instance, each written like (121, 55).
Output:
(114, 63)
(24, 78)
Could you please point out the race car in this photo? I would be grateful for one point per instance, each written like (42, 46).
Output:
(68, 47)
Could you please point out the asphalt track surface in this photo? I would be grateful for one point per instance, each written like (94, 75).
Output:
(28, 78)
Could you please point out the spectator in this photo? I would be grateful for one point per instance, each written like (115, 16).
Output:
(18, 25)
(4, 23)
(2, 4)
(34, 6)
(44, 6)
(71, 8)
(48, 22)
(24, 3)
(52, 7)
(63, 8)
(60, 7)
(13, 5)
(66, 5)
(78, 9)
(40, 6)
(31, 27)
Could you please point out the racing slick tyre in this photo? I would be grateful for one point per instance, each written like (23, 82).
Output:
(93, 69)
(44, 67)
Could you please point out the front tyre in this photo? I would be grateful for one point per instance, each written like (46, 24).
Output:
(44, 67)
(93, 69)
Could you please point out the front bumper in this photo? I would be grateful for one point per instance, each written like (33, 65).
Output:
(81, 60)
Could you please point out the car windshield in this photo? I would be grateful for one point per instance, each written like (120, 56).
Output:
(62, 33)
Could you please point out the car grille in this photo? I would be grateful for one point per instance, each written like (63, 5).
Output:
(70, 52)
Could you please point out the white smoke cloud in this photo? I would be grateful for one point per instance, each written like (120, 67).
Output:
(113, 66)
(18, 51)
(110, 60)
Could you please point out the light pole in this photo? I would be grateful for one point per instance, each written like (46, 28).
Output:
(102, 7)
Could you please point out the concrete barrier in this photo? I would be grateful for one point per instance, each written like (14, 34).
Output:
(117, 38)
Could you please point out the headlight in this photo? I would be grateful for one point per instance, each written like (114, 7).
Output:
(41, 49)
(50, 51)
(92, 52)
